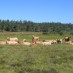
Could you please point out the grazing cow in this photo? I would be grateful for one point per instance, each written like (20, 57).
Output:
(35, 38)
(12, 39)
(2, 42)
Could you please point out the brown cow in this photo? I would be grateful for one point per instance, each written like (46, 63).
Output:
(51, 41)
(12, 42)
(46, 43)
(67, 39)
(12, 39)
(35, 38)
(59, 41)
(33, 44)
(25, 42)
(2, 42)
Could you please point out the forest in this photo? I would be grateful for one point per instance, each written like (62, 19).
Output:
(29, 26)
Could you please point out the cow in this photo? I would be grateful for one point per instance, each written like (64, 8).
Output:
(67, 39)
(2, 42)
(46, 43)
(38, 42)
(33, 44)
(12, 39)
(51, 41)
(24, 42)
(59, 41)
(71, 42)
(12, 42)
(35, 38)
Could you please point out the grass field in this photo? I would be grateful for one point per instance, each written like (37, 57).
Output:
(57, 58)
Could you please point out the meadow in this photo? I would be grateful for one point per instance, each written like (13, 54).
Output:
(57, 58)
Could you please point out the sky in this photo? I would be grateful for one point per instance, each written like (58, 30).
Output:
(37, 10)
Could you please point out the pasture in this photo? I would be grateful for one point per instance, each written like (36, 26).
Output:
(57, 58)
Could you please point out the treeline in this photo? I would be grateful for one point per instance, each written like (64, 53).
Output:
(29, 26)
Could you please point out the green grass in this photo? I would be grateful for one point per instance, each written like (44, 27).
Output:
(56, 58)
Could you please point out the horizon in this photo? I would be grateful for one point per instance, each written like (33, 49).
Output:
(37, 11)
(33, 21)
